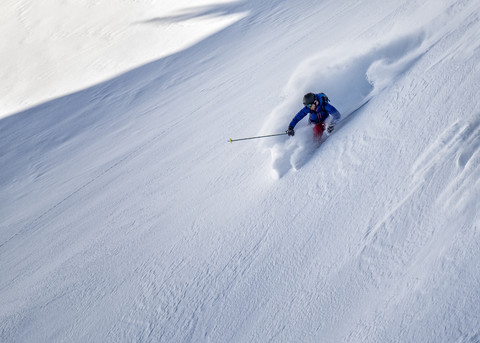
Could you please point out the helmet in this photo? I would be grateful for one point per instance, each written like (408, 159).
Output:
(309, 98)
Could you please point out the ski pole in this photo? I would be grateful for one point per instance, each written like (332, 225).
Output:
(244, 139)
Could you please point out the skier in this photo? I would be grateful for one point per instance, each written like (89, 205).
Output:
(322, 114)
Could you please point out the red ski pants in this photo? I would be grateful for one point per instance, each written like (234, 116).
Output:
(318, 130)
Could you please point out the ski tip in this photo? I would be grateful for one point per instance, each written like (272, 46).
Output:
(230, 140)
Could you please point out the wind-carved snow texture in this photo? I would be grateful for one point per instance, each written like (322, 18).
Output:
(458, 150)
(349, 81)
(453, 162)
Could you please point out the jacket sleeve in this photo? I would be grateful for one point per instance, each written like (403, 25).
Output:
(333, 112)
(299, 116)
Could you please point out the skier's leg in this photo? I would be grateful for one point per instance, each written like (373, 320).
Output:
(318, 131)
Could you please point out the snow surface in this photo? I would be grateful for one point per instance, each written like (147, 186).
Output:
(53, 48)
(126, 215)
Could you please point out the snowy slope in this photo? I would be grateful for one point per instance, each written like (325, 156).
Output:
(55, 48)
(126, 215)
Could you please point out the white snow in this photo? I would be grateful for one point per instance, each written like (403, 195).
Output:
(126, 216)
(58, 47)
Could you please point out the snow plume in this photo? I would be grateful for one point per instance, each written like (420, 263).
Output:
(350, 81)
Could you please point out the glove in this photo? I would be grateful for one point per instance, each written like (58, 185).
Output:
(290, 131)
(330, 127)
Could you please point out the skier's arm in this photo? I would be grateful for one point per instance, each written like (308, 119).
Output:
(299, 116)
(333, 112)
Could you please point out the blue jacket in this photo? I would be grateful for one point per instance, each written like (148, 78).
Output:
(318, 115)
